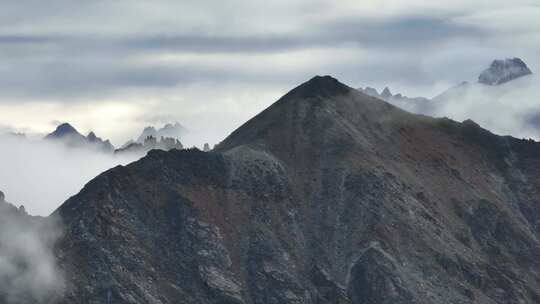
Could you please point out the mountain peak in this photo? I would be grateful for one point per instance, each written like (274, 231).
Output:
(91, 136)
(386, 93)
(65, 128)
(320, 86)
(62, 130)
(502, 71)
(173, 130)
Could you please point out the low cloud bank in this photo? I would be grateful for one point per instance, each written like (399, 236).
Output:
(41, 175)
(509, 109)
(28, 271)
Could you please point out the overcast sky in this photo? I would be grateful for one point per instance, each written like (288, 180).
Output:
(116, 66)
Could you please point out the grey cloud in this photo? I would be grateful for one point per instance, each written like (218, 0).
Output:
(370, 33)
(28, 270)
(397, 33)
(95, 65)
(25, 39)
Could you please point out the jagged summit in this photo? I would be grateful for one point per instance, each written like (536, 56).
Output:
(502, 71)
(320, 110)
(67, 134)
(321, 86)
(386, 93)
(91, 136)
(62, 130)
(172, 130)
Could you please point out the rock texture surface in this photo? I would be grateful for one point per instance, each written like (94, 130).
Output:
(502, 71)
(327, 196)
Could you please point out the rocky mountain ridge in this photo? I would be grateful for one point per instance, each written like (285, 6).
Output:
(499, 72)
(165, 138)
(502, 100)
(169, 130)
(67, 134)
(327, 196)
(502, 71)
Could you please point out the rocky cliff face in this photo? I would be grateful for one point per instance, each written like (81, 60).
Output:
(502, 71)
(327, 196)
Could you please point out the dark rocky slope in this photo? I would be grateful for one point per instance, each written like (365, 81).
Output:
(327, 196)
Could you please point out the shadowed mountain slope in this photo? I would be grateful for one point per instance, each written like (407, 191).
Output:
(327, 196)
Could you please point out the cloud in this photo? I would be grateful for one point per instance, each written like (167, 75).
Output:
(42, 175)
(84, 65)
(28, 271)
(104, 52)
(516, 101)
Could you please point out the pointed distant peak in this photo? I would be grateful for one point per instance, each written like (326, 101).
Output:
(504, 70)
(91, 135)
(386, 93)
(320, 86)
(64, 129)
(470, 122)
(370, 91)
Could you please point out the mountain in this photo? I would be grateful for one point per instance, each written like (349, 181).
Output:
(419, 105)
(150, 143)
(67, 134)
(165, 138)
(502, 71)
(503, 100)
(175, 131)
(327, 196)
(490, 81)
(499, 72)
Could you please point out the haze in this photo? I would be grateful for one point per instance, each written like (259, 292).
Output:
(115, 67)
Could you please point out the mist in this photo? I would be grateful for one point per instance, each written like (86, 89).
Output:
(41, 174)
(28, 270)
(508, 109)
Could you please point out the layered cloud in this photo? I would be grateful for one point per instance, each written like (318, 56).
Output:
(178, 59)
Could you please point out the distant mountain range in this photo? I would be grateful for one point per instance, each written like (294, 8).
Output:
(499, 72)
(165, 138)
(68, 135)
(503, 99)
(170, 130)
